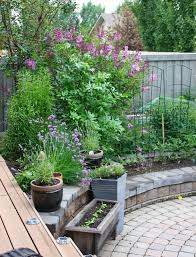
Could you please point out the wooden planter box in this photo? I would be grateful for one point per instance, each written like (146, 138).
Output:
(112, 189)
(91, 240)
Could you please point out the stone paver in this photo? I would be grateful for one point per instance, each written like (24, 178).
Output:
(166, 229)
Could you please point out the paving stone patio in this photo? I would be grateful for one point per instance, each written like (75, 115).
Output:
(166, 229)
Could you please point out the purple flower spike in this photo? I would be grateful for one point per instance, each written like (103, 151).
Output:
(132, 73)
(52, 117)
(153, 77)
(117, 36)
(145, 89)
(136, 67)
(126, 52)
(68, 36)
(92, 49)
(138, 56)
(30, 63)
(58, 35)
(101, 35)
(107, 49)
(85, 182)
(76, 137)
(130, 126)
(79, 41)
(115, 54)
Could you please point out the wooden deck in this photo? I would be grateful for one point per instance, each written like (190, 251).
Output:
(15, 210)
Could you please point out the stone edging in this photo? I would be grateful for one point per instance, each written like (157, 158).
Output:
(154, 187)
(74, 198)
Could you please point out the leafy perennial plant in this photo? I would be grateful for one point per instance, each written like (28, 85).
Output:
(94, 82)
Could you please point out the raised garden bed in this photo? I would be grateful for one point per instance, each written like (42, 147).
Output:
(90, 236)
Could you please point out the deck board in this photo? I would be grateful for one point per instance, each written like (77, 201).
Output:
(6, 243)
(16, 209)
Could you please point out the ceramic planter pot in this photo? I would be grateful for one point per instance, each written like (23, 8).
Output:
(58, 175)
(93, 160)
(47, 198)
(91, 240)
(112, 189)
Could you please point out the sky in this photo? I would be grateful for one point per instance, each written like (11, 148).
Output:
(110, 5)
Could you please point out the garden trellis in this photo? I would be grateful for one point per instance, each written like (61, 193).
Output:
(157, 115)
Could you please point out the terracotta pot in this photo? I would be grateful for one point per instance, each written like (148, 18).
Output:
(47, 198)
(58, 175)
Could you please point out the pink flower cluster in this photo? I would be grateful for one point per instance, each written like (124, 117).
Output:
(137, 66)
(103, 49)
(105, 45)
(30, 63)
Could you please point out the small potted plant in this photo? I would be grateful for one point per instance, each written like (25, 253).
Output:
(93, 153)
(109, 182)
(47, 191)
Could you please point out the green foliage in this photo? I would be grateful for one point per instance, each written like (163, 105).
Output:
(89, 14)
(24, 179)
(132, 159)
(93, 89)
(179, 117)
(165, 25)
(28, 110)
(70, 168)
(177, 148)
(90, 142)
(108, 171)
(43, 170)
(25, 25)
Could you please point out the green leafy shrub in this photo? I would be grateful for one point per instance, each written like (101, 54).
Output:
(28, 111)
(94, 82)
(179, 117)
(108, 171)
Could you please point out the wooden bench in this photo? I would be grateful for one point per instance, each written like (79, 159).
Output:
(15, 210)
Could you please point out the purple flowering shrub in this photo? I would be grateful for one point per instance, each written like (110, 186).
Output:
(94, 81)
(63, 149)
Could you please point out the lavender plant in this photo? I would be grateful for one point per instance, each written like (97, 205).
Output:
(63, 150)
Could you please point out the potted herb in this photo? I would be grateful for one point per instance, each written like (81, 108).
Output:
(91, 148)
(93, 225)
(109, 182)
(47, 191)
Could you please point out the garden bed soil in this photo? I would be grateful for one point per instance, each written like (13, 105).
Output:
(150, 166)
(136, 169)
(14, 167)
(100, 218)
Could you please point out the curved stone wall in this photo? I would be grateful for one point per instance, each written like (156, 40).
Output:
(159, 186)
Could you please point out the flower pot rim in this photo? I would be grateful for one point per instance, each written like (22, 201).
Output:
(94, 156)
(48, 188)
